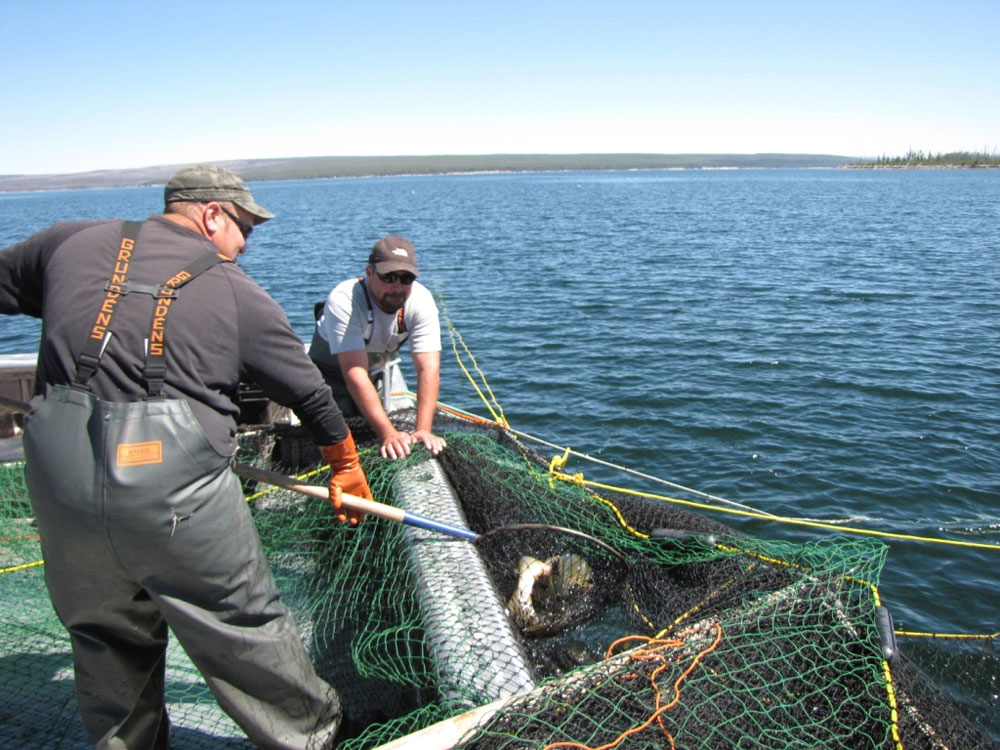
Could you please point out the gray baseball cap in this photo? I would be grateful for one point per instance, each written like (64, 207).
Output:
(208, 182)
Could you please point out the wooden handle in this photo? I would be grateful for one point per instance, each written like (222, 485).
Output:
(372, 507)
(353, 502)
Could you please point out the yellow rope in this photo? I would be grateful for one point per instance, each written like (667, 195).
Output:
(890, 691)
(577, 479)
(456, 337)
(910, 634)
(22, 567)
(890, 685)
(299, 477)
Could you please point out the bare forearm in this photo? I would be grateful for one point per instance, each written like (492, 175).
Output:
(428, 386)
(428, 367)
(366, 397)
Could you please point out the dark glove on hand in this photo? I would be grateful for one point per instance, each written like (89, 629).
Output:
(346, 476)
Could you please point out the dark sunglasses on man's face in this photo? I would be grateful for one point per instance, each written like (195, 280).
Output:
(245, 229)
(401, 276)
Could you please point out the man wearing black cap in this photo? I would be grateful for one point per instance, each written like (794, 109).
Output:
(361, 327)
(148, 329)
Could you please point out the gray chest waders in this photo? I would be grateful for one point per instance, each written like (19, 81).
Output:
(143, 525)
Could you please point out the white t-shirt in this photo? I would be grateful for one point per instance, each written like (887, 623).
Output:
(344, 324)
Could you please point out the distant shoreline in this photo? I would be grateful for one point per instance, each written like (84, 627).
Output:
(325, 167)
(329, 167)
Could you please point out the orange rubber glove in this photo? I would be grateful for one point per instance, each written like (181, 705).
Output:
(346, 476)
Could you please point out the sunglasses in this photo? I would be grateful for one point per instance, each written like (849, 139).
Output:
(401, 276)
(245, 229)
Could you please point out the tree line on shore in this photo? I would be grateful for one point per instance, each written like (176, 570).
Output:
(915, 158)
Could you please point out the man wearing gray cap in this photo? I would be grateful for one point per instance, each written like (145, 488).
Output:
(128, 445)
(361, 327)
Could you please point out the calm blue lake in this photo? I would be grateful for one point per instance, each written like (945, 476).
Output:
(818, 343)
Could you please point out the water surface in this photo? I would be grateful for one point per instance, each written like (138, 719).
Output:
(817, 343)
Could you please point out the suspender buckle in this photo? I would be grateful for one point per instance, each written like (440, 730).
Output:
(154, 374)
(166, 292)
(86, 366)
(127, 287)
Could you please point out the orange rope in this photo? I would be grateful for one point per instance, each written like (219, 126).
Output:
(468, 417)
(655, 652)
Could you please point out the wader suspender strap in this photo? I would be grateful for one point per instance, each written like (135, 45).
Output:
(370, 328)
(90, 357)
(154, 368)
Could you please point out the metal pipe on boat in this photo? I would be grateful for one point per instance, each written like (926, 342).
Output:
(14, 404)
(469, 635)
(390, 372)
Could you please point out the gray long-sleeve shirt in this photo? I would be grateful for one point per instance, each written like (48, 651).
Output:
(222, 329)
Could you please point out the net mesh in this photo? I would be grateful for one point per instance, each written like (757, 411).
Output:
(652, 627)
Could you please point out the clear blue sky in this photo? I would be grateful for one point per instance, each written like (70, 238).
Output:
(110, 84)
